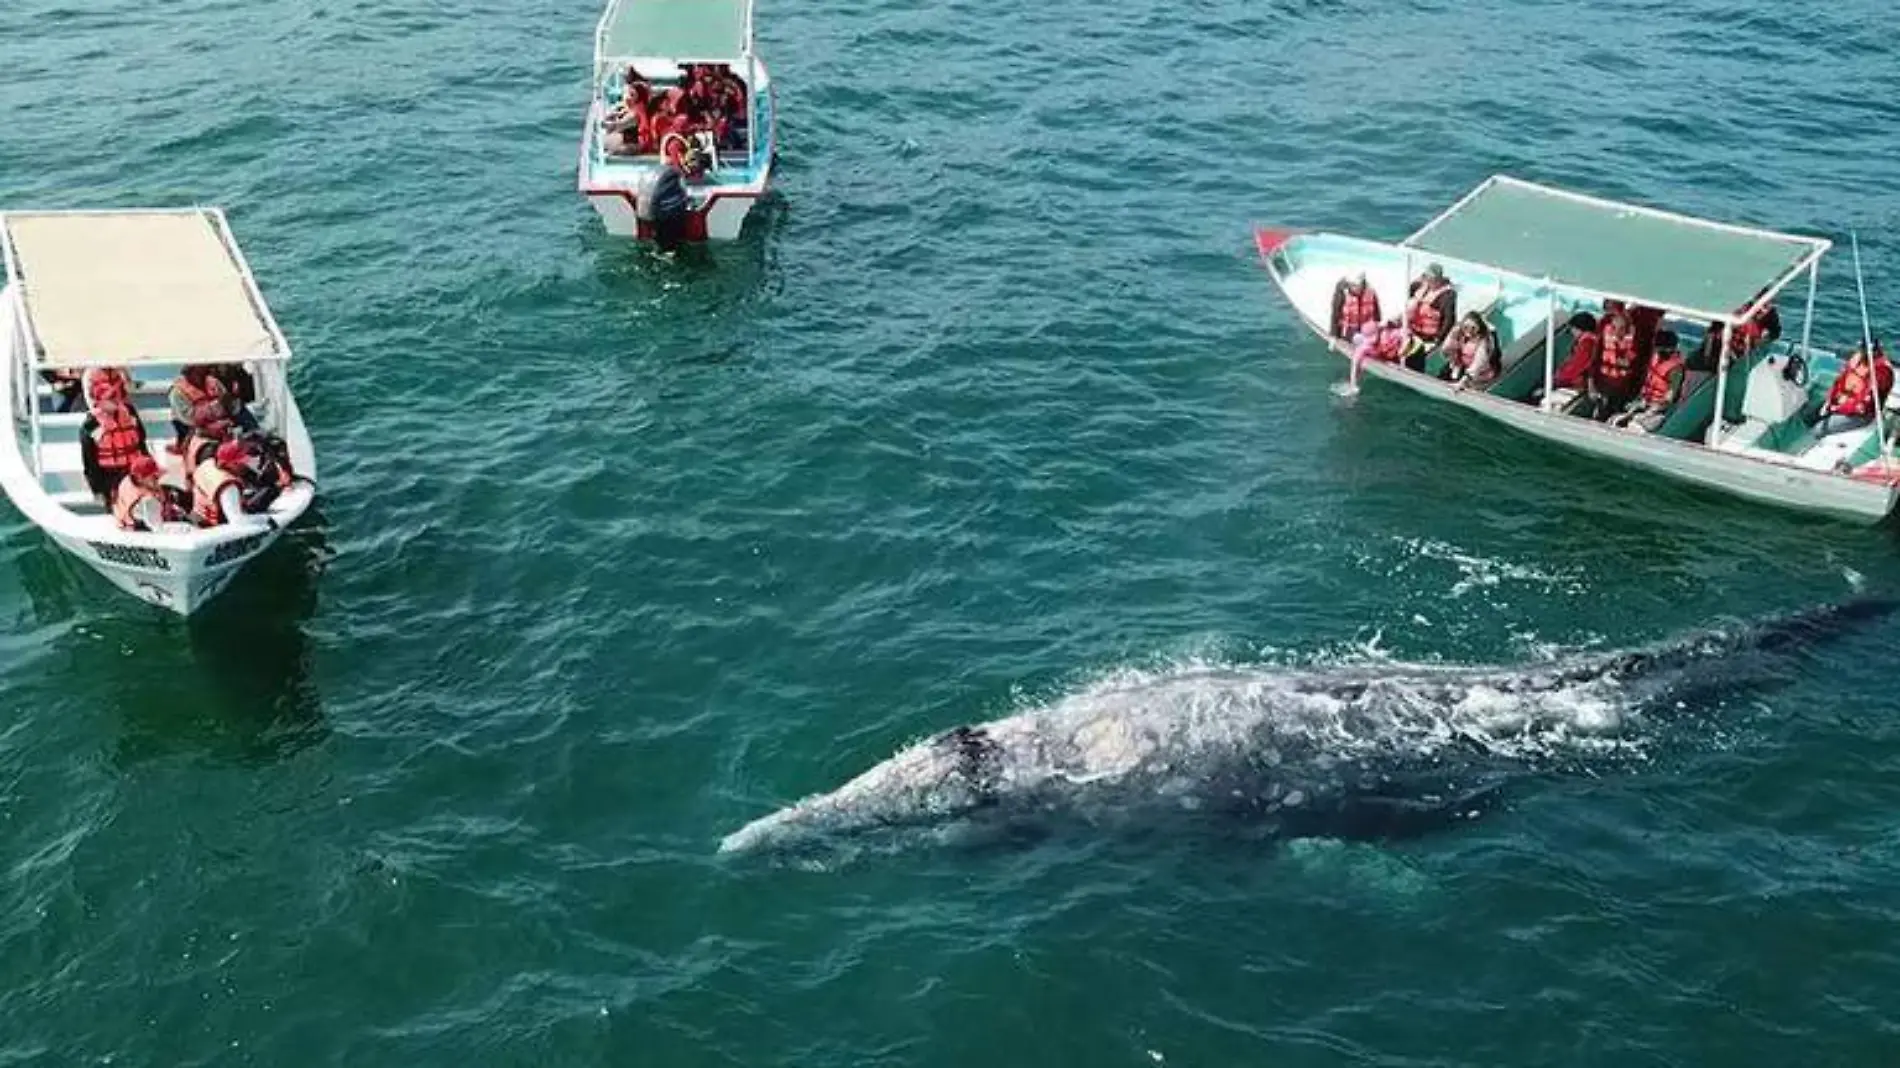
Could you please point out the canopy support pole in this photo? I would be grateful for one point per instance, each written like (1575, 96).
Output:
(1807, 317)
(1550, 343)
(1714, 434)
(1405, 308)
(1873, 374)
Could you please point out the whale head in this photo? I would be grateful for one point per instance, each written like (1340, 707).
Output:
(929, 784)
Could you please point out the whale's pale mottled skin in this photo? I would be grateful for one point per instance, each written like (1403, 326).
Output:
(1286, 747)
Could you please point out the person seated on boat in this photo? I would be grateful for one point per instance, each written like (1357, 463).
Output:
(1574, 373)
(1431, 307)
(1613, 383)
(1860, 385)
(1762, 328)
(1471, 353)
(111, 437)
(67, 387)
(229, 486)
(1662, 387)
(1355, 303)
(202, 404)
(1379, 341)
(629, 125)
(143, 502)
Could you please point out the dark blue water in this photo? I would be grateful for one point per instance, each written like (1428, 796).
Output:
(617, 554)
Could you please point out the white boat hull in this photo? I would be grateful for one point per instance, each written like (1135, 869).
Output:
(1755, 475)
(179, 571)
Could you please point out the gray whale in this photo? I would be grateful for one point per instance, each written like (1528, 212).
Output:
(1367, 751)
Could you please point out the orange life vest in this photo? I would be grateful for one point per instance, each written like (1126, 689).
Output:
(1856, 389)
(1356, 310)
(125, 503)
(208, 408)
(207, 482)
(1658, 390)
(1425, 320)
(120, 436)
(1617, 358)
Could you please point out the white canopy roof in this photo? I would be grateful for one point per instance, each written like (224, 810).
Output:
(117, 288)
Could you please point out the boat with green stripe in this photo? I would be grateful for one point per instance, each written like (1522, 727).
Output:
(1528, 257)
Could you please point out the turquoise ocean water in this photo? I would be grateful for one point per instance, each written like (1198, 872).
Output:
(617, 554)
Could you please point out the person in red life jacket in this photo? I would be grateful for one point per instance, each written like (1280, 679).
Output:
(1355, 304)
(1584, 346)
(220, 484)
(629, 125)
(199, 405)
(1379, 341)
(1616, 379)
(1662, 386)
(1861, 384)
(109, 440)
(1431, 307)
(1471, 353)
(141, 501)
(1574, 373)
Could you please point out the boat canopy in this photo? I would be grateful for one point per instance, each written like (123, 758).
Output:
(707, 31)
(1694, 267)
(117, 288)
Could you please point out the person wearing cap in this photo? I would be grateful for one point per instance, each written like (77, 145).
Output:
(218, 485)
(1430, 310)
(140, 501)
(1355, 304)
(1662, 387)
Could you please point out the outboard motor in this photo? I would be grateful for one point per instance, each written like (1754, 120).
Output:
(662, 202)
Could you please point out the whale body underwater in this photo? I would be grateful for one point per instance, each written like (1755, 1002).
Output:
(1378, 751)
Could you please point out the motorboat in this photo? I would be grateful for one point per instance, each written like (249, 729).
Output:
(1528, 257)
(146, 292)
(681, 186)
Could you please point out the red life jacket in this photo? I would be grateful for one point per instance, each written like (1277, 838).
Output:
(1582, 362)
(1425, 319)
(208, 408)
(1464, 354)
(126, 500)
(120, 436)
(207, 482)
(1356, 310)
(1618, 355)
(1658, 390)
(1854, 393)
